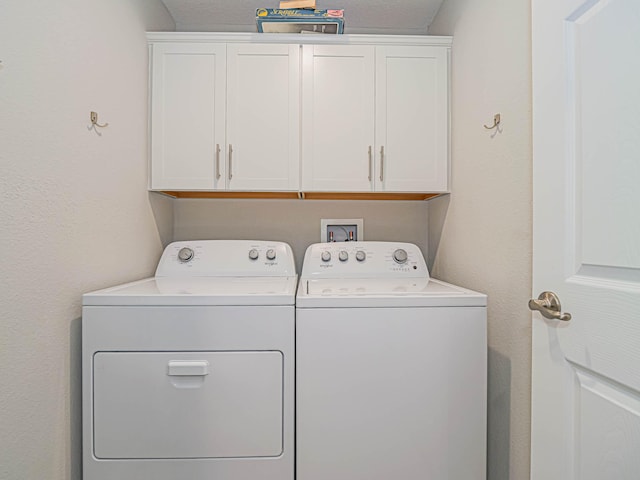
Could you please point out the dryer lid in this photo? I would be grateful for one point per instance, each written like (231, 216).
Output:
(184, 291)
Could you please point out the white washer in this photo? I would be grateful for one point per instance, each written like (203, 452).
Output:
(390, 368)
(190, 374)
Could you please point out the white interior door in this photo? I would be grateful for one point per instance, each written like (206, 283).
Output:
(586, 130)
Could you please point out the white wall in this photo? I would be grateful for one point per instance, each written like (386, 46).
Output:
(482, 232)
(297, 222)
(74, 210)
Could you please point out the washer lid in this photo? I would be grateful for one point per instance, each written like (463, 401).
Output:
(160, 291)
(363, 293)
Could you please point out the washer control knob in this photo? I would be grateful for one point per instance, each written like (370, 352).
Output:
(326, 256)
(185, 254)
(343, 256)
(271, 254)
(253, 254)
(361, 256)
(400, 256)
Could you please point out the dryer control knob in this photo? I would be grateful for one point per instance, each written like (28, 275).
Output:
(326, 256)
(253, 254)
(185, 254)
(343, 256)
(400, 256)
(361, 256)
(271, 254)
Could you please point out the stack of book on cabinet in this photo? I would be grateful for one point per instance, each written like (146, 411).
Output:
(299, 16)
(306, 4)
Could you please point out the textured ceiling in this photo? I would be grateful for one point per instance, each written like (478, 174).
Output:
(361, 16)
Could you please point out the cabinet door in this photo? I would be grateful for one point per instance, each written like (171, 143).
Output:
(263, 117)
(411, 119)
(337, 117)
(187, 116)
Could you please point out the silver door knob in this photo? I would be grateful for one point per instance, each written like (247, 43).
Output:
(548, 304)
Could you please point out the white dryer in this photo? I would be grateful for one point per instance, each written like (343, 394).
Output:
(390, 368)
(190, 374)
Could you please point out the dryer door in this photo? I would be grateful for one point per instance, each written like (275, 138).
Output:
(187, 404)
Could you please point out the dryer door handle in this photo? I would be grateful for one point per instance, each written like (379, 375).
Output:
(188, 368)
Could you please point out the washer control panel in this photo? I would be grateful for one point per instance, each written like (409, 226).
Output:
(364, 260)
(210, 258)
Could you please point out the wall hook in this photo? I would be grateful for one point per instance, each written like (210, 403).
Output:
(94, 120)
(496, 122)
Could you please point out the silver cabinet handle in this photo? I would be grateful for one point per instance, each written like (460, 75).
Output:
(370, 161)
(217, 173)
(230, 161)
(381, 163)
(548, 304)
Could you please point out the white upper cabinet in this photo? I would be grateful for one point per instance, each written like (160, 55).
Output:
(411, 119)
(375, 118)
(337, 117)
(187, 116)
(263, 117)
(225, 117)
(289, 113)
